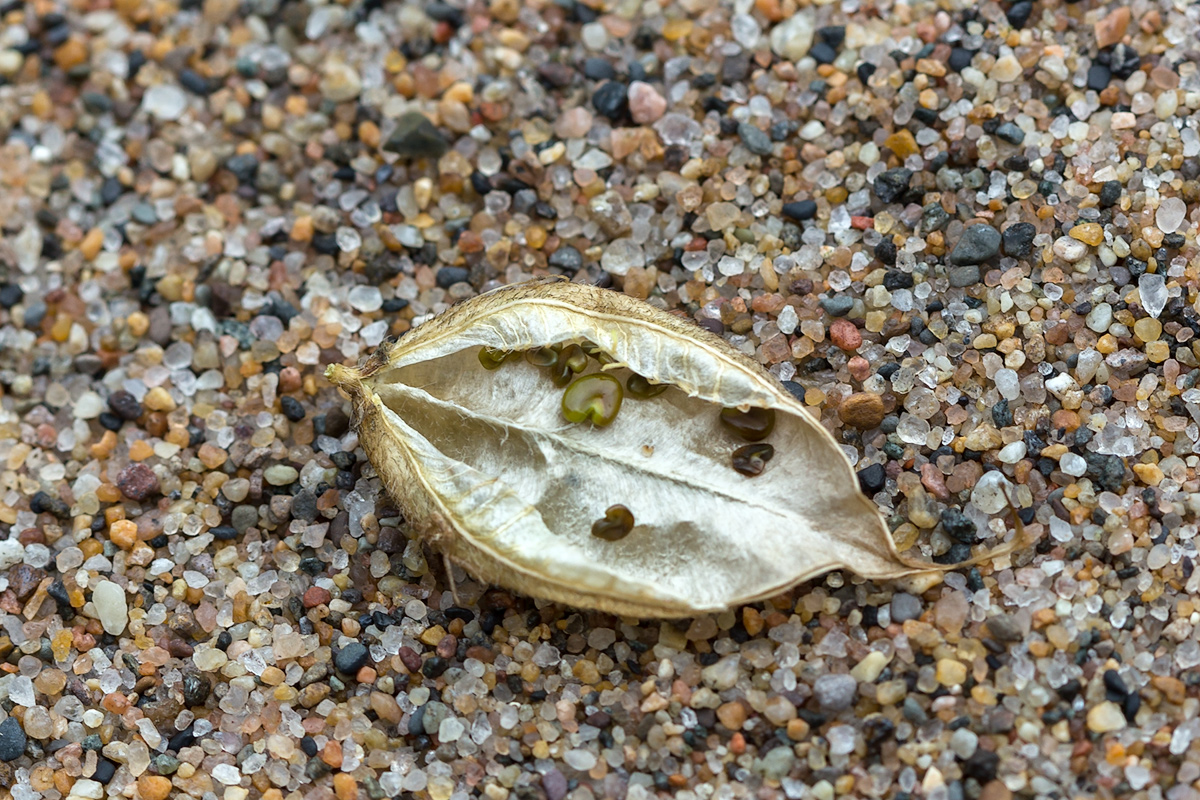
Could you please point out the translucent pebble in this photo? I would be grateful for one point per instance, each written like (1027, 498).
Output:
(621, 255)
(787, 320)
(1152, 288)
(579, 759)
(841, 740)
(1012, 452)
(1008, 383)
(365, 298)
(21, 691)
(348, 239)
(1159, 557)
(1170, 214)
(1072, 464)
(227, 774)
(990, 493)
(451, 729)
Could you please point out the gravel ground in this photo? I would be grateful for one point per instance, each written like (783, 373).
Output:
(963, 233)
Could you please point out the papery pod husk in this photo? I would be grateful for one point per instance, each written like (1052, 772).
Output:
(503, 486)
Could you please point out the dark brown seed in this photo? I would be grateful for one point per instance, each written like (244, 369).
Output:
(616, 524)
(751, 459)
(753, 425)
(642, 389)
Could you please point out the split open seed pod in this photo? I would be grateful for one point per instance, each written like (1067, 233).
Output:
(516, 476)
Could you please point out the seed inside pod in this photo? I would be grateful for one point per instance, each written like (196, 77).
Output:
(642, 389)
(542, 356)
(571, 361)
(616, 524)
(753, 425)
(492, 358)
(596, 397)
(751, 459)
(595, 352)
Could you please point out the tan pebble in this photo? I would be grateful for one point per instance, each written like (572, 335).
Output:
(798, 730)
(1006, 69)
(1090, 233)
(1111, 29)
(862, 410)
(1149, 474)
(1105, 717)
(123, 533)
(951, 672)
(159, 399)
(732, 715)
(89, 248)
(345, 787)
(153, 787)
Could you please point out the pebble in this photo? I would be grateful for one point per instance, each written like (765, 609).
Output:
(979, 243)
(835, 693)
(12, 740)
(1006, 69)
(416, 137)
(792, 38)
(1016, 240)
(351, 658)
(862, 410)
(1106, 717)
(755, 139)
(646, 105)
(905, 607)
(165, 101)
(111, 607)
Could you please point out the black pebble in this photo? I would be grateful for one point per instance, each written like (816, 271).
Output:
(351, 658)
(892, 184)
(1019, 14)
(448, 276)
(434, 667)
(958, 527)
(1017, 239)
(309, 746)
(611, 99)
(872, 478)
(598, 69)
(125, 405)
(800, 210)
(10, 295)
(822, 53)
(291, 408)
(105, 770)
(1110, 194)
(1098, 77)
(886, 251)
(196, 688)
(865, 70)
(895, 279)
(960, 58)
(194, 82)
(12, 740)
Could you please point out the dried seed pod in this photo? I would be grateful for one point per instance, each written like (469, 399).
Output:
(642, 389)
(593, 350)
(503, 487)
(596, 397)
(751, 459)
(753, 424)
(615, 525)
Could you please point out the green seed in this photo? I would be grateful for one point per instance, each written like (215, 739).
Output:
(753, 425)
(542, 356)
(595, 352)
(751, 459)
(571, 361)
(616, 524)
(642, 389)
(492, 358)
(596, 397)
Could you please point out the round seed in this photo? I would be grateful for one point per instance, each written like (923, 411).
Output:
(542, 356)
(616, 524)
(571, 361)
(492, 358)
(751, 459)
(596, 397)
(753, 425)
(642, 389)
